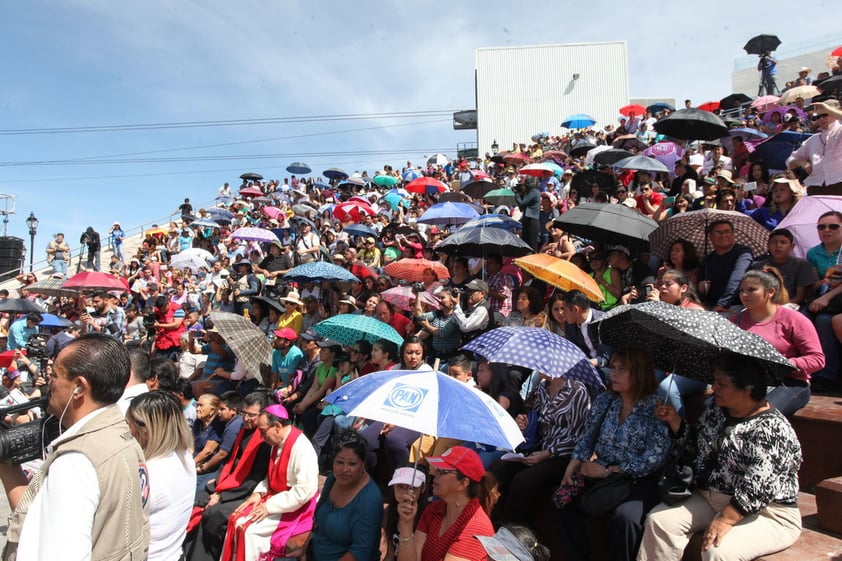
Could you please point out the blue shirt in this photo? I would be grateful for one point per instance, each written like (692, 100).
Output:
(816, 255)
(19, 335)
(354, 528)
(285, 365)
(229, 434)
(215, 361)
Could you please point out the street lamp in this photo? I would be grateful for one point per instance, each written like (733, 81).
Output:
(495, 147)
(32, 222)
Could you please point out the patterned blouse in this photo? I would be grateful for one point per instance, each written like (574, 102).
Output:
(757, 461)
(561, 418)
(639, 445)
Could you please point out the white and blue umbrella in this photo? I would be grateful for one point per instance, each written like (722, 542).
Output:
(411, 174)
(217, 212)
(400, 191)
(538, 349)
(205, 223)
(448, 213)
(317, 271)
(501, 221)
(430, 403)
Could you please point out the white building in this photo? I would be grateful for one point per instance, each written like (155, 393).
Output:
(522, 91)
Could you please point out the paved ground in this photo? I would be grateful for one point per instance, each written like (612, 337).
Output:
(4, 517)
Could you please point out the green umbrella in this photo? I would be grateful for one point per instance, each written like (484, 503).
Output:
(350, 328)
(385, 180)
(500, 197)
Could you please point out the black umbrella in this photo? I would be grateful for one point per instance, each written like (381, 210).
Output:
(454, 197)
(301, 220)
(733, 100)
(685, 341)
(629, 142)
(608, 224)
(692, 124)
(581, 150)
(251, 176)
(478, 189)
(608, 157)
(272, 302)
(762, 43)
(830, 84)
(479, 242)
(20, 306)
(583, 180)
(403, 229)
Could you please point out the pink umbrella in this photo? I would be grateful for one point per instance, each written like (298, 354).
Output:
(272, 211)
(802, 219)
(95, 280)
(665, 152)
(764, 102)
(250, 192)
(404, 298)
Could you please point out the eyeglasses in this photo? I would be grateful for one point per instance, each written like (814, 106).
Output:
(621, 191)
(817, 117)
(250, 415)
(821, 227)
(445, 471)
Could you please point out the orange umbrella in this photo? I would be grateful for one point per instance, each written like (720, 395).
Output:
(413, 269)
(155, 232)
(560, 273)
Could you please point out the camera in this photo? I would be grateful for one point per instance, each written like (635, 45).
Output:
(456, 291)
(36, 348)
(23, 443)
(417, 287)
(149, 321)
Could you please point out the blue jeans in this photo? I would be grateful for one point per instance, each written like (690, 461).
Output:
(830, 345)
(118, 250)
(60, 267)
(788, 399)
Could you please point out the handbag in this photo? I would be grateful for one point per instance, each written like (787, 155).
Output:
(602, 496)
(675, 485)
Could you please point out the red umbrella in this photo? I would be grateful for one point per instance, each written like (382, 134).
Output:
(836, 52)
(638, 110)
(95, 280)
(425, 185)
(479, 174)
(404, 298)
(709, 106)
(413, 269)
(352, 211)
(555, 154)
(251, 192)
(517, 158)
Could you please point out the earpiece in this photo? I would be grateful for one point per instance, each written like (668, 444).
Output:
(77, 390)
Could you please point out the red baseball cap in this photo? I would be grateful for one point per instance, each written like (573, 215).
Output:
(464, 460)
(286, 333)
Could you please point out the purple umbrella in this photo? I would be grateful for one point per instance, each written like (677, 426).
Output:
(802, 220)
(254, 235)
(665, 152)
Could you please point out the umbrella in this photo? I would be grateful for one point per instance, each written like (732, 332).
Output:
(199, 252)
(692, 226)
(320, 271)
(709, 106)
(193, 262)
(581, 149)
(609, 157)
(583, 180)
(411, 174)
(554, 155)
(19, 306)
(802, 219)
(451, 197)
(250, 192)
(396, 201)
(477, 189)
(685, 341)
(830, 84)
(608, 224)
(206, 223)
(747, 134)
(500, 197)
(95, 280)
(761, 43)
(350, 328)
(438, 160)
(399, 191)
(217, 213)
(733, 100)
(299, 168)
(359, 230)
(404, 298)
(776, 149)
(430, 403)
(538, 349)
(665, 152)
(404, 229)
(516, 158)
(642, 163)
(448, 213)
(692, 124)
(335, 173)
(352, 211)
(254, 235)
(635, 108)
(52, 320)
(426, 186)
(413, 269)
(248, 343)
(578, 121)
(560, 273)
(501, 221)
(272, 212)
(251, 176)
(478, 242)
(762, 103)
(537, 170)
(155, 232)
(262, 200)
(51, 287)
(629, 142)
(306, 210)
(660, 106)
(385, 180)
(804, 92)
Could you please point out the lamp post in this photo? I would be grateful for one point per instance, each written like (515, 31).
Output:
(32, 222)
(495, 147)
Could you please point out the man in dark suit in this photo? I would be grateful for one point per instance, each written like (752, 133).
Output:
(578, 316)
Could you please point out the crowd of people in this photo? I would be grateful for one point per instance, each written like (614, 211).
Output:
(229, 458)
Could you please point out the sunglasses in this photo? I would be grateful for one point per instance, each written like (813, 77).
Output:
(821, 227)
(817, 117)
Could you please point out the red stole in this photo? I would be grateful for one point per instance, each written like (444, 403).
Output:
(231, 476)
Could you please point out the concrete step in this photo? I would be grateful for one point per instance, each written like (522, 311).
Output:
(818, 425)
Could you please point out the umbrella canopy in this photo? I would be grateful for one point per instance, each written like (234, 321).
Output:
(502, 221)
(262, 200)
(692, 226)
(478, 242)
(747, 134)
(95, 280)
(199, 252)
(426, 186)
(185, 260)
(709, 106)
(299, 168)
(804, 92)
(396, 201)
(430, 403)
(438, 160)
(19, 306)
(335, 173)
(629, 142)
(516, 158)
(608, 224)
(413, 269)
(247, 341)
(612, 156)
(642, 163)
(581, 149)
(352, 211)
(830, 84)
(360, 230)
(583, 180)
(251, 176)
(51, 287)
(560, 273)
(761, 43)
(660, 106)
(317, 271)
(692, 124)
(635, 108)
(52, 320)
(536, 348)
(537, 170)
(272, 212)
(448, 213)
(578, 121)
(500, 197)
(776, 149)
(665, 152)
(250, 192)
(254, 235)
(271, 302)
(685, 341)
(802, 219)
(350, 328)
(217, 212)
(385, 180)
(477, 189)
(207, 223)
(733, 100)
(404, 298)
(764, 102)
(411, 174)
(451, 197)
(554, 155)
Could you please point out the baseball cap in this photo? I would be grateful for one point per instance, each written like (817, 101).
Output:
(286, 333)
(311, 335)
(464, 460)
(620, 248)
(335, 346)
(477, 284)
(408, 476)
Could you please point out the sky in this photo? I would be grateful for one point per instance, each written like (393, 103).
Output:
(354, 85)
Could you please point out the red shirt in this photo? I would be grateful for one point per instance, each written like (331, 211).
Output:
(465, 545)
(399, 322)
(655, 199)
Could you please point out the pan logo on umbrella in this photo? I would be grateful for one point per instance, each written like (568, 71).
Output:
(406, 398)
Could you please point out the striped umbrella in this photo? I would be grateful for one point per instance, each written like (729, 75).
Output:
(52, 287)
(247, 341)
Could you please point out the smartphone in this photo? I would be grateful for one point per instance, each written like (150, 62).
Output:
(750, 186)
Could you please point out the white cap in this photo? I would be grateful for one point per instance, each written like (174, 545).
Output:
(406, 476)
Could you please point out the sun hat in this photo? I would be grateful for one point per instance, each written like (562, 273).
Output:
(293, 298)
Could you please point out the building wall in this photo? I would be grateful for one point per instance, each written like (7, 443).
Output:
(522, 91)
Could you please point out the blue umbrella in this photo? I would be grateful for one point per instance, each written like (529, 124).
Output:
(655, 107)
(299, 168)
(448, 213)
(777, 149)
(217, 212)
(335, 173)
(319, 185)
(385, 180)
(205, 223)
(350, 328)
(400, 191)
(52, 320)
(395, 201)
(578, 121)
(320, 271)
(411, 174)
(538, 349)
(430, 403)
(493, 221)
(359, 230)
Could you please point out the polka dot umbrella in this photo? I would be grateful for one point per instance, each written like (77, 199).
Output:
(685, 341)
